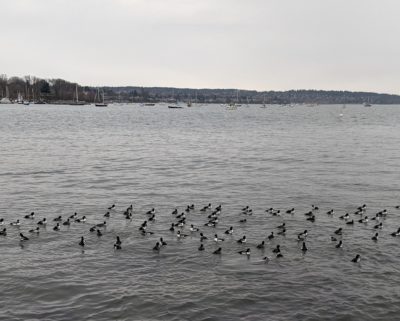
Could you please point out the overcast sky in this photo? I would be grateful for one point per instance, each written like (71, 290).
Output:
(248, 44)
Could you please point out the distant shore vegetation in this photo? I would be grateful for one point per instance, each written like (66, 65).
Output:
(55, 91)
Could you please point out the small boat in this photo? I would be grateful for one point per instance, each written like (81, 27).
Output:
(367, 105)
(149, 104)
(100, 104)
(175, 106)
(6, 99)
(77, 102)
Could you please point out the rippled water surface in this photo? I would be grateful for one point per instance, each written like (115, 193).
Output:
(57, 160)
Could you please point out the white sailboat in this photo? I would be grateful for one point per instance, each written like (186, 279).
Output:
(263, 104)
(77, 102)
(6, 99)
(100, 104)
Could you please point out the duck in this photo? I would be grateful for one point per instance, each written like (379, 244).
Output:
(117, 246)
(314, 208)
(217, 251)
(144, 233)
(82, 242)
(174, 212)
(279, 255)
(210, 224)
(104, 224)
(111, 207)
(356, 259)
(93, 229)
(261, 245)
(157, 247)
(229, 231)
(162, 242)
(73, 216)
(344, 217)
(339, 245)
(396, 233)
(57, 227)
(118, 241)
(16, 223)
(243, 220)
(193, 229)
(57, 219)
(376, 217)
(152, 218)
(339, 231)
(36, 230)
(246, 252)
(3, 232)
(363, 220)
(291, 211)
(282, 226)
(350, 222)
(151, 212)
(172, 228)
(1, 221)
(217, 239)
(30, 216)
(99, 234)
(67, 222)
(265, 259)
(108, 214)
(81, 220)
(205, 208)
(271, 236)
(277, 249)
(180, 235)
(42, 222)
(378, 226)
(330, 212)
(202, 237)
(304, 247)
(201, 247)
(282, 232)
(22, 237)
(375, 237)
(311, 219)
(242, 240)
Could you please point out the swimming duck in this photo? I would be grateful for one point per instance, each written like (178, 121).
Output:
(229, 231)
(217, 239)
(246, 252)
(23, 237)
(82, 242)
(261, 245)
(30, 216)
(356, 259)
(217, 251)
(242, 240)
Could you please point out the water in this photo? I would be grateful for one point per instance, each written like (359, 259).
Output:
(56, 160)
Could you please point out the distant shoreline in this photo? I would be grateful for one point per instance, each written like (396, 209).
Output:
(59, 91)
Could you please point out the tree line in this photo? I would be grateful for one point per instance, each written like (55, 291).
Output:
(32, 88)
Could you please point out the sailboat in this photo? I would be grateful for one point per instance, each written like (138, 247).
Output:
(263, 104)
(100, 104)
(367, 103)
(6, 99)
(233, 106)
(77, 102)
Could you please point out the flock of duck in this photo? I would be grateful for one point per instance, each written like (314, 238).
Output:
(179, 226)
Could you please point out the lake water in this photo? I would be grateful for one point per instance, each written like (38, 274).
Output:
(57, 160)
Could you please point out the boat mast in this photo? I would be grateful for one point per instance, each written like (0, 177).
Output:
(76, 92)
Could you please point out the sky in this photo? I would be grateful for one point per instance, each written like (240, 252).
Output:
(246, 44)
